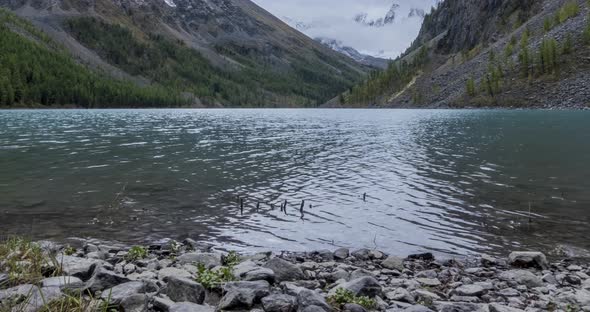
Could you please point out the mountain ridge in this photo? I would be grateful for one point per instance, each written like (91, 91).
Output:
(215, 52)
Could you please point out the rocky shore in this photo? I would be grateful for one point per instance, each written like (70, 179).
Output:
(189, 276)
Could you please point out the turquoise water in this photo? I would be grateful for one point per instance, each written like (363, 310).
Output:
(455, 182)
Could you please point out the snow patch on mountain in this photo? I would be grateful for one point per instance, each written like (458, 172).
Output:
(361, 58)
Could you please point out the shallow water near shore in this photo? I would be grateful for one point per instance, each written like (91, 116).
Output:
(452, 182)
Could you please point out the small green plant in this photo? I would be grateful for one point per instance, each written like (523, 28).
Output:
(69, 250)
(344, 296)
(211, 279)
(470, 86)
(587, 33)
(231, 259)
(136, 253)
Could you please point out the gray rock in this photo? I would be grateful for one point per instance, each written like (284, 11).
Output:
(162, 304)
(422, 295)
(63, 282)
(509, 292)
(487, 260)
(79, 267)
(190, 307)
(469, 290)
(284, 270)
(135, 303)
(582, 296)
(250, 271)
(311, 299)
(279, 303)
(459, 307)
(182, 289)
(117, 293)
(550, 278)
(291, 288)
(35, 297)
(364, 286)
(243, 295)
(430, 282)
(360, 273)
(376, 254)
(528, 259)
(341, 253)
(521, 277)
(495, 307)
(353, 307)
(337, 275)
(165, 273)
(427, 256)
(103, 279)
(418, 308)
(400, 294)
(361, 254)
(208, 259)
(312, 308)
(393, 263)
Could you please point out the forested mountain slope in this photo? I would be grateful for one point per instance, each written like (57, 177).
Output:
(492, 53)
(162, 53)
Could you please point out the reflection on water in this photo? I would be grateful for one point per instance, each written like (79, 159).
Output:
(449, 181)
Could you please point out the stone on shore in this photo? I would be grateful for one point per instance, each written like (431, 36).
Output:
(117, 293)
(521, 277)
(103, 279)
(243, 295)
(63, 282)
(469, 290)
(363, 286)
(341, 253)
(284, 270)
(393, 263)
(182, 289)
(279, 303)
(79, 267)
(190, 307)
(250, 271)
(208, 259)
(309, 300)
(528, 259)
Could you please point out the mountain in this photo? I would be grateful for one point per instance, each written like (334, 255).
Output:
(364, 59)
(389, 18)
(182, 52)
(492, 53)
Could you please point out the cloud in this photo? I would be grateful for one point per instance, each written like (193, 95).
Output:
(334, 19)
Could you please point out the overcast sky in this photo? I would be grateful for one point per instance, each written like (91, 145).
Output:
(334, 19)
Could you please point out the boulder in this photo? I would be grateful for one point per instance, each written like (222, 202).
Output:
(417, 308)
(353, 307)
(103, 279)
(181, 289)
(429, 282)
(279, 303)
(243, 295)
(250, 271)
(63, 282)
(309, 300)
(165, 273)
(208, 259)
(427, 256)
(79, 267)
(362, 254)
(341, 253)
(495, 307)
(393, 263)
(36, 297)
(400, 294)
(528, 259)
(521, 277)
(135, 303)
(190, 307)
(117, 293)
(284, 270)
(364, 286)
(469, 290)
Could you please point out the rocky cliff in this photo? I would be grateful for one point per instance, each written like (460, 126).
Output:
(493, 53)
